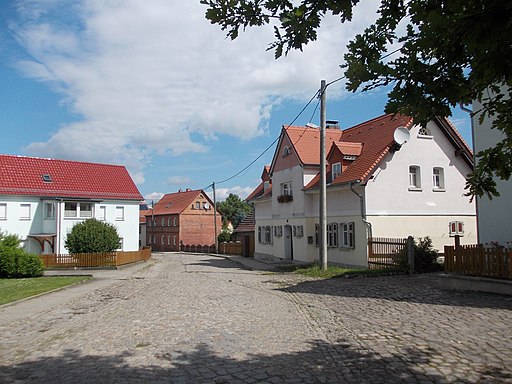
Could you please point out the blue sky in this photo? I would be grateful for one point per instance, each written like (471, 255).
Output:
(157, 88)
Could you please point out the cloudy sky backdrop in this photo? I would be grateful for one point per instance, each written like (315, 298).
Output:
(154, 86)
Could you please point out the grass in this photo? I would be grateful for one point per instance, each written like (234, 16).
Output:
(314, 270)
(16, 289)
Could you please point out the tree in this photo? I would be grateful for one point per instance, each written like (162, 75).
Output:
(233, 209)
(91, 236)
(432, 54)
(15, 262)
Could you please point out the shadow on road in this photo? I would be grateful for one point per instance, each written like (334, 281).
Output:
(426, 289)
(322, 363)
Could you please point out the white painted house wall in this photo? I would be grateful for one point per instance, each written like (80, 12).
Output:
(395, 210)
(12, 223)
(494, 218)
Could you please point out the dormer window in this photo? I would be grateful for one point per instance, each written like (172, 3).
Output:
(336, 170)
(286, 151)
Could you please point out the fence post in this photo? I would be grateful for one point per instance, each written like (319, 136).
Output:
(410, 254)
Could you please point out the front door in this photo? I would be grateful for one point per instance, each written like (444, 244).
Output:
(288, 243)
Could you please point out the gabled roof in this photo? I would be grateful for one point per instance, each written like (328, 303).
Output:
(22, 175)
(352, 149)
(247, 224)
(175, 203)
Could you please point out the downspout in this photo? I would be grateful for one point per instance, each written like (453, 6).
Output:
(363, 209)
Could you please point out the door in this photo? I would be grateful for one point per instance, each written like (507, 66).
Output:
(288, 243)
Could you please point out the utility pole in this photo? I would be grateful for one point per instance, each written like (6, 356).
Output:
(215, 218)
(323, 185)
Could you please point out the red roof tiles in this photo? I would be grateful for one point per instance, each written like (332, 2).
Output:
(174, 203)
(21, 175)
(305, 141)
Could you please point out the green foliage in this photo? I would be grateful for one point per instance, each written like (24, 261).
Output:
(447, 52)
(314, 270)
(92, 236)
(233, 209)
(225, 236)
(15, 262)
(425, 257)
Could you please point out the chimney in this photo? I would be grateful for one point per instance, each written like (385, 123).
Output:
(188, 189)
(179, 190)
(332, 124)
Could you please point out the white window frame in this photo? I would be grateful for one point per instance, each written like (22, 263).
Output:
(456, 228)
(163, 221)
(335, 170)
(175, 221)
(347, 235)
(414, 178)
(102, 213)
(71, 213)
(174, 240)
(424, 133)
(168, 239)
(3, 211)
(438, 179)
(121, 244)
(49, 211)
(300, 230)
(286, 188)
(25, 211)
(85, 213)
(268, 234)
(169, 222)
(162, 240)
(120, 214)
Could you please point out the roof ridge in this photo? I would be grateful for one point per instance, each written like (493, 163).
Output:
(62, 160)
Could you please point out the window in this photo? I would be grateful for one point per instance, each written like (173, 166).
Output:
(317, 234)
(174, 221)
(286, 151)
(259, 234)
(268, 235)
(102, 214)
(162, 240)
(414, 177)
(163, 221)
(49, 211)
(294, 230)
(206, 206)
(286, 189)
(300, 231)
(332, 235)
(120, 247)
(438, 179)
(168, 240)
(120, 214)
(336, 170)
(24, 211)
(425, 132)
(198, 205)
(456, 228)
(3, 211)
(174, 240)
(347, 230)
(70, 209)
(154, 239)
(168, 221)
(85, 209)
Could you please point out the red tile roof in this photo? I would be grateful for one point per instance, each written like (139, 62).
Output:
(247, 224)
(305, 141)
(175, 203)
(142, 215)
(22, 175)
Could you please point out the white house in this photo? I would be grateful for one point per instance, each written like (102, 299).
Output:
(494, 218)
(375, 188)
(42, 199)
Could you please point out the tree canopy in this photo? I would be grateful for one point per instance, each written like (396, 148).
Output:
(431, 54)
(91, 236)
(233, 209)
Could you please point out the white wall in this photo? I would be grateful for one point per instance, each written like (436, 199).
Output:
(494, 218)
(128, 228)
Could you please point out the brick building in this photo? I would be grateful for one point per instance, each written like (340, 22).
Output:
(185, 217)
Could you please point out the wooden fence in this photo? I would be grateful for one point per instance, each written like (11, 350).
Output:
(224, 248)
(475, 260)
(387, 253)
(95, 260)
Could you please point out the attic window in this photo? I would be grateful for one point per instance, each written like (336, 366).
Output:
(286, 151)
(349, 157)
(425, 133)
(47, 178)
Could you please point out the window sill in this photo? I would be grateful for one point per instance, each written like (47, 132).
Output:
(438, 190)
(415, 189)
(346, 248)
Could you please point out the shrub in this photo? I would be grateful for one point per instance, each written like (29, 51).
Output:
(15, 262)
(425, 256)
(92, 236)
(29, 265)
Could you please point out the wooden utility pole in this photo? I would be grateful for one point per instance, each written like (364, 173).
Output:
(215, 218)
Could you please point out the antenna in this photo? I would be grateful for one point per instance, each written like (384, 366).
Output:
(401, 135)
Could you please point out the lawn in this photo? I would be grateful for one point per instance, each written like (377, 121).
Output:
(314, 270)
(16, 289)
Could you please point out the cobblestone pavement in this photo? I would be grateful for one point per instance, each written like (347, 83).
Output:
(203, 319)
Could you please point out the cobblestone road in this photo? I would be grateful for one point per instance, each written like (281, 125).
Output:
(202, 319)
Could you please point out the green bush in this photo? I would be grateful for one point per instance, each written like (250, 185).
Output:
(92, 236)
(15, 262)
(29, 265)
(425, 256)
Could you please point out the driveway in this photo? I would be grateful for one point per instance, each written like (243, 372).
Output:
(184, 318)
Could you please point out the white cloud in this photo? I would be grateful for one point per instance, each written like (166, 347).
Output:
(157, 78)
(153, 196)
(179, 180)
(223, 193)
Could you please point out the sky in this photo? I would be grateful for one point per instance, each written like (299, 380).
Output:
(153, 86)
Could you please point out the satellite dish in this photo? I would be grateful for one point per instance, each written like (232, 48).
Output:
(206, 206)
(401, 135)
